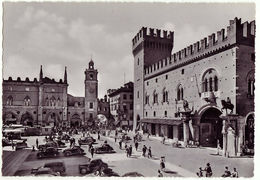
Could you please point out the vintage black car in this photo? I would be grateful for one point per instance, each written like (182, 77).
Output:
(48, 152)
(86, 140)
(20, 145)
(92, 166)
(108, 172)
(57, 167)
(76, 150)
(105, 148)
(53, 144)
(6, 142)
(46, 172)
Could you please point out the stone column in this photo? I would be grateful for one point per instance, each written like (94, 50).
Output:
(186, 133)
(224, 132)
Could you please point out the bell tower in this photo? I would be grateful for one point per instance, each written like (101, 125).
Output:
(91, 94)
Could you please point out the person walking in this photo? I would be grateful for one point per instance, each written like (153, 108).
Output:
(148, 135)
(127, 151)
(162, 165)
(160, 173)
(163, 139)
(150, 152)
(120, 144)
(234, 173)
(130, 150)
(92, 151)
(144, 150)
(218, 147)
(90, 146)
(208, 170)
(136, 145)
(37, 143)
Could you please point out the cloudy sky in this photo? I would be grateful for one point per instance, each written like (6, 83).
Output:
(56, 35)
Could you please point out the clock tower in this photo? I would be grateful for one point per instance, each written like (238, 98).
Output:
(91, 95)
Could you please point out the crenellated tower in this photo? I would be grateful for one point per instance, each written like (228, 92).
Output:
(148, 48)
(91, 94)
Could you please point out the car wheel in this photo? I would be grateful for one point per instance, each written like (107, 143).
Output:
(83, 171)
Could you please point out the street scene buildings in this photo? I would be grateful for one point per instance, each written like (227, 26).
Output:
(185, 112)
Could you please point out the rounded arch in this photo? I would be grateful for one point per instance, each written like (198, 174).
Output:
(249, 131)
(207, 69)
(53, 119)
(27, 119)
(210, 126)
(9, 118)
(206, 107)
(75, 120)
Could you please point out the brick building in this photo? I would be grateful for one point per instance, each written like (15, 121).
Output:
(215, 68)
(121, 105)
(46, 102)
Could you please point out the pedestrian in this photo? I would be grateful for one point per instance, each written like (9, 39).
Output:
(208, 170)
(227, 173)
(127, 151)
(234, 173)
(150, 152)
(162, 165)
(120, 144)
(115, 138)
(163, 139)
(37, 143)
(218, 147)
(160, 173)
(136, 145)
(148, 135)
(144, 150)
(125, 145)
(200, 173)
(130, 150)
(92, 151)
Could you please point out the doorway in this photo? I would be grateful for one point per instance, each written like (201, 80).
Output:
(170, 132)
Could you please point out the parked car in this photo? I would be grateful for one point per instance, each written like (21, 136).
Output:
(86, 140)
(60, 143)
(105, 148)
(76, 150)
(6, 142)
(48, 152)
(108, 172)
(53, 144)
(133, 174)
(58, 167)
(20, 145)
(65, 137)
(92, 166)
(45, 172)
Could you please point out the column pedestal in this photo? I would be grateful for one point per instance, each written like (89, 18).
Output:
(186, 133)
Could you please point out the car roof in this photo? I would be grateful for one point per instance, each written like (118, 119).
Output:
(53, 163)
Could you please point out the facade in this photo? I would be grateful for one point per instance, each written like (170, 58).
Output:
(121, 105)
(216, 68)
(45, 102)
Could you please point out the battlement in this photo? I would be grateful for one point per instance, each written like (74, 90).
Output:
(236, 33)
(153, 34)
(27, 80)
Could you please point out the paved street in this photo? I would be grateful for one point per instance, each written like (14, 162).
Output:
(179, 161)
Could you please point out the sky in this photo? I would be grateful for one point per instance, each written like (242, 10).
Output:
(59, 34)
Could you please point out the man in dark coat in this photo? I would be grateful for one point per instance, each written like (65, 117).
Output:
(144, 150)
(136, 145)
(130, 150)
(92, 151)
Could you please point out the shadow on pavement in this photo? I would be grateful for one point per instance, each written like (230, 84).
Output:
(170, 172)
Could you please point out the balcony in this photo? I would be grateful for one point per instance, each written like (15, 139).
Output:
(210, 96)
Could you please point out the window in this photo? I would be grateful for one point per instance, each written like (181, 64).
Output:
(156, 80)
(179, 93)
(137, 94)
(154, 113)
(124, 96)
(147, 99)
(27, 101)
(125, 107)
(91, 105)
(210, 81)
(138, 61)
(182, 71)
(131, 106)
(52, 101)
(146, 113)
(90, 116)
(155, 97)
(166, 76)
(165, 113)
(251, 87)
(9, 101)
(131, 96)
(147, 83)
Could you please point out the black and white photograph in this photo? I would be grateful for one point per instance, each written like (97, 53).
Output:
(128, 89)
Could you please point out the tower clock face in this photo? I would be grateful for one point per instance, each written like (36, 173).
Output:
(91, 76)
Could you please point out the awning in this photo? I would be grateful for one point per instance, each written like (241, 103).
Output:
(176, 121)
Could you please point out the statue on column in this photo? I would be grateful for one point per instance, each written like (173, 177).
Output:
(227, 105)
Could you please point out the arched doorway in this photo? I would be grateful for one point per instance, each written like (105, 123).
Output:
(10, 118)
(75, 121)
(210, 128)
(250, 131)
(53, 120)
(27, 119)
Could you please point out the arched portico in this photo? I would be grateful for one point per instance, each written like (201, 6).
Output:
(210, 127)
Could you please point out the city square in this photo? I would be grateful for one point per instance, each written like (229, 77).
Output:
(149, 94)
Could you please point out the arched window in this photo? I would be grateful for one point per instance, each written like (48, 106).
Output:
(251, 83)
(210, 84)
(215, 83)
(58, 102)
(165, 113)
(53, 101)
(210, 81)
(179, 93)
(27, 101)
(154, 113)
(47, 101)
(9, 101)
(155, 97)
